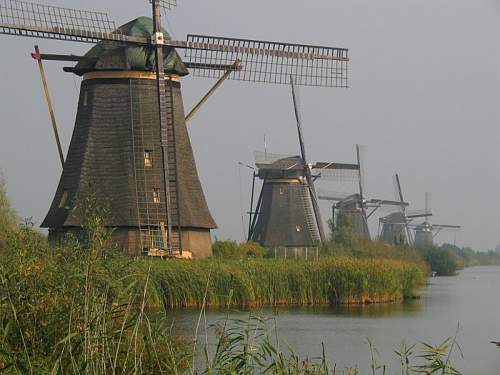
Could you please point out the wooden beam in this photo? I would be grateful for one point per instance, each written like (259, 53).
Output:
(38, 58)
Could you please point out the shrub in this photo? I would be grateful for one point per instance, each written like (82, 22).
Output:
(251, 250)
(233, 250)
(342, 231)
(8, 217)
(443, 262)
(225, 249)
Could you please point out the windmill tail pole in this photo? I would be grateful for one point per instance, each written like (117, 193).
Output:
(235, 66)
(38, 57)
(310, 182)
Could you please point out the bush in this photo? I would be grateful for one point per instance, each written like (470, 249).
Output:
(443, 262)
(251, 250)
(225, 249)
(233, 250)
(8, 217)
(342, 231)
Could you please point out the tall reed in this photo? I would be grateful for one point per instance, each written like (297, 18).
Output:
(258, 282)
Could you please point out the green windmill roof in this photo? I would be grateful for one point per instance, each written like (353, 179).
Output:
(107, 55)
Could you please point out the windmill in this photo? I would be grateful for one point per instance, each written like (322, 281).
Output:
(287, 211)
(425, 232)
(395, 227)
(356, 208)
(130, 145)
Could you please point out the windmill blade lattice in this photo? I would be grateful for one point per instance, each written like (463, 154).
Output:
(269, 62)
(336, 172)
(329, 195)
(167, 4)
(29, 19)
(446, 227)
(208, 56)
(412, 214)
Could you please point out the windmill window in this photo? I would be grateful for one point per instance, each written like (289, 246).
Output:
(298, 228)
(282, 191)
(85, 98)
(64, 199)
(156, 195)
(148, 158)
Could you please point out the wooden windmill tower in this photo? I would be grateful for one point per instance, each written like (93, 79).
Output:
(356, 208)
(287, 212)
(130, 145)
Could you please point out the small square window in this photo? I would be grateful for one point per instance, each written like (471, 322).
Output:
(148, 158)
(156, 195)
(85, 98)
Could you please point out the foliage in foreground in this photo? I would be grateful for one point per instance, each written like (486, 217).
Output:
(75, 310)
(79, 311)
(253, 347)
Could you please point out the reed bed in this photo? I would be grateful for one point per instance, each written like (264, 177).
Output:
(271, 282)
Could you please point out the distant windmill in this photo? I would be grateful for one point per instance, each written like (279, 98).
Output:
(287, 211)
(130, 146)
(426, 232)
(395, 227)
(356, 208)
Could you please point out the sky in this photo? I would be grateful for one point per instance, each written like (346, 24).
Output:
(423, 100)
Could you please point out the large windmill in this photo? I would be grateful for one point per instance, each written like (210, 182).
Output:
(395, 227)
(287, 211)
(356, 208)
(130, 146)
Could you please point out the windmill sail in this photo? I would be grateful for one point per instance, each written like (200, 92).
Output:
(261, 61)
(270, 62)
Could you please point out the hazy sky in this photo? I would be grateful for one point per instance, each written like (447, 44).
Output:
(423, 99)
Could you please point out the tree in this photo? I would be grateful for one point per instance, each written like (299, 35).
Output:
(342, 231)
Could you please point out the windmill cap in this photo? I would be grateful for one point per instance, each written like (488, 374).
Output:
(116, 56)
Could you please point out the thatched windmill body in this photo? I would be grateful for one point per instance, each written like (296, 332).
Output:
(287, 211)
(130, 147)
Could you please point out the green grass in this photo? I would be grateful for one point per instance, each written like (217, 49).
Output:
(259, 282)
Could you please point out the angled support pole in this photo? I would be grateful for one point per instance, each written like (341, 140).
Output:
(38, 57)
(236, 66)
(256, 213)
(373, 211)
(437, 232)
(251, 207)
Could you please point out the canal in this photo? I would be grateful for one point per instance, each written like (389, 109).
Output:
(469, 301)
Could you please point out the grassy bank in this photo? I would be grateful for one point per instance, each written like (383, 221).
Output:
(258, 282)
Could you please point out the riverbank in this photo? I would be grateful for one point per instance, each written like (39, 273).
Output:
(271, 282)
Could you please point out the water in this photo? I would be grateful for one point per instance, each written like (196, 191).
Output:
(470, 300)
